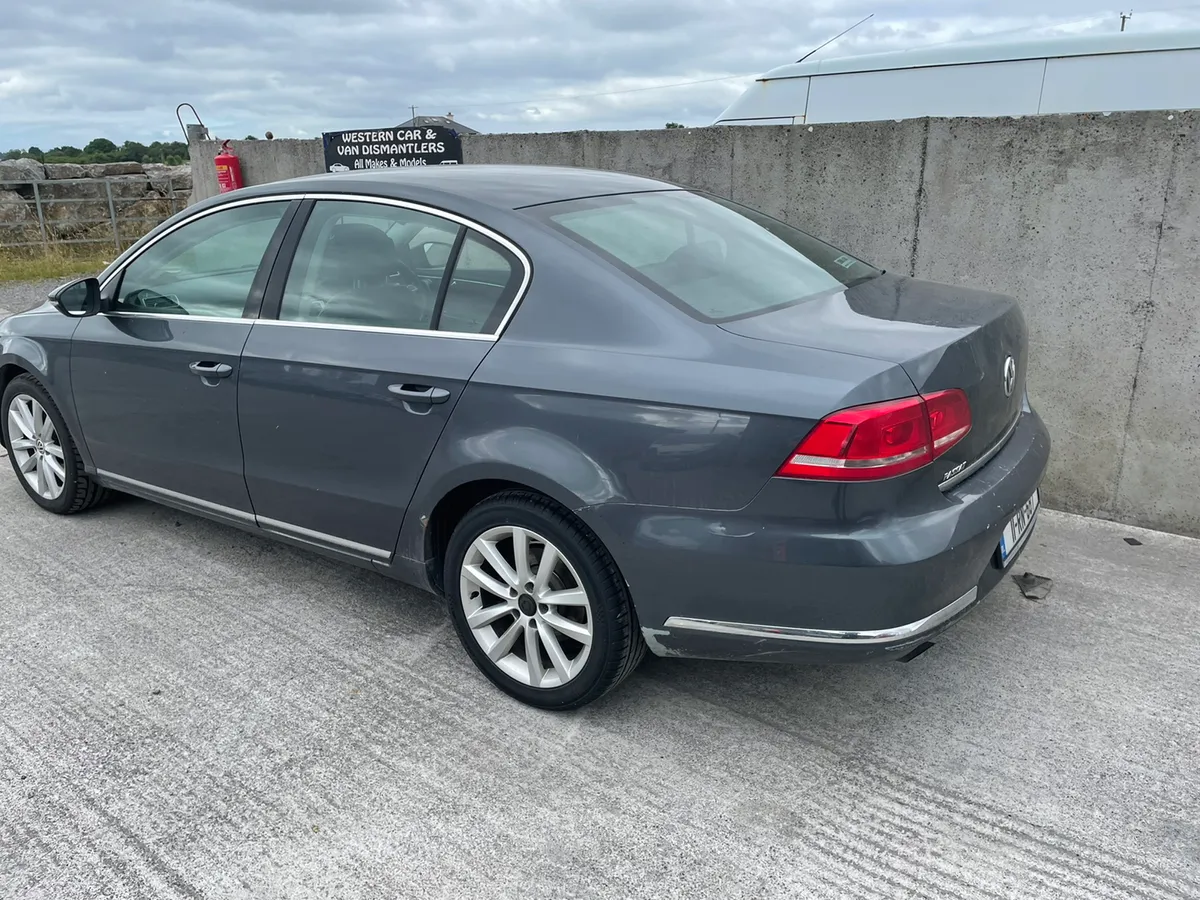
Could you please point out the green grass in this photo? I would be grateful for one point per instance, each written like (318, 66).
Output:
(38, 265)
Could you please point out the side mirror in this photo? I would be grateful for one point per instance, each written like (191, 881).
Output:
(436, 253)
(77, 298)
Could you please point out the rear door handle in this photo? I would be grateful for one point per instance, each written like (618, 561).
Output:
(419, 393)
(211, 369)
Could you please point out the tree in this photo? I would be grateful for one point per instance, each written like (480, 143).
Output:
(675, 125)
(132, 151)
(249, 137)
(102, 150)
(31, 153)
(99, 147)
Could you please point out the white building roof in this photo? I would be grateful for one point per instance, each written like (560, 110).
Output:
(992, 51)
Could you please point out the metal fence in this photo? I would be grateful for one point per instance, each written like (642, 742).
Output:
(114, 211)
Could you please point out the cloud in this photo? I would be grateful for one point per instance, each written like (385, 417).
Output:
(307, 66)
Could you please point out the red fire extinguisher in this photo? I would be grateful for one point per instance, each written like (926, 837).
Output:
(229, 169)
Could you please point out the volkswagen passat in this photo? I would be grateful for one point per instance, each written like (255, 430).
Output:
(598, 413)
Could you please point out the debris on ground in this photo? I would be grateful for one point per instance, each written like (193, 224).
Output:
(1034, 587)
(1133, 542)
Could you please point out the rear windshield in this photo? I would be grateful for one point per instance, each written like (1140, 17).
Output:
(711, 257)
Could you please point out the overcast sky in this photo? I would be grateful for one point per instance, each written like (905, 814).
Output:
(118, 68)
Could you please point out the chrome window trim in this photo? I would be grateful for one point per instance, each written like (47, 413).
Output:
(983, 460)
(376, 329)
(124, 314)
(898, 634)
(522, 258)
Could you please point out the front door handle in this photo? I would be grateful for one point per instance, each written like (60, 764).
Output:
(210, 370)
(419, 393)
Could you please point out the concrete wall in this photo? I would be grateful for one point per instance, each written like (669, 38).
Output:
(1093, 222)
(262, 161)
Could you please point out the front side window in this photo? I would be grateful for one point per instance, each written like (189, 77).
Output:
(368, 264)
(204, 268)
(713, 258)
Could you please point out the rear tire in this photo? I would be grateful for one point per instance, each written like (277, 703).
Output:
(527, 580)
(42, 451)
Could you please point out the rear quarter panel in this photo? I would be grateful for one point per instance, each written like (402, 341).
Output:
(601, 393)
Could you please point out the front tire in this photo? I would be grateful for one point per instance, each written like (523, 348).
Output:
(538, 603)
(43, 454)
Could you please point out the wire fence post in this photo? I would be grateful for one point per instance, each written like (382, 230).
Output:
(37, 201)
(112, 213)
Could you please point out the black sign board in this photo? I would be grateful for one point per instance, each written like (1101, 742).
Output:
(391, 148)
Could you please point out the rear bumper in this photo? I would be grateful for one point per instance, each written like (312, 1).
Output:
(736, 585)
(898, 637)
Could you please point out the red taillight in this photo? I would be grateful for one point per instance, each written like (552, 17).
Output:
(881, 440)
(949, 419)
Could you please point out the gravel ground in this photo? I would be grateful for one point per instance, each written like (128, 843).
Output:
(189, 711)
(18, 296)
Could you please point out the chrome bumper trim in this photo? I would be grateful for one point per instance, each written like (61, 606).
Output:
(823, 636)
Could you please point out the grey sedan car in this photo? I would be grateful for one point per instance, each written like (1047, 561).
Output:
(598, 413)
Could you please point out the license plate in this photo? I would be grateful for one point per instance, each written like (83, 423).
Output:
(1017, 529)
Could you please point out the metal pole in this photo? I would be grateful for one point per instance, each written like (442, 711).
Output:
(37, 200)
(112, 213)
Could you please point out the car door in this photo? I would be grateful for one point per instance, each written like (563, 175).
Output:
(361, 354)
(155, 376)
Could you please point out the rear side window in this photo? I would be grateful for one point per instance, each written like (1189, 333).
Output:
(485, 280)
(712, 258)
(368, 264)
(379, 265)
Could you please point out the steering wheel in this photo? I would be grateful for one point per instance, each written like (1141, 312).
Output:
(143, 298)
(408, 277)
(404, 295)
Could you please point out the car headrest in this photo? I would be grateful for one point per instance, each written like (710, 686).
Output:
(362, 238)
(361, 250)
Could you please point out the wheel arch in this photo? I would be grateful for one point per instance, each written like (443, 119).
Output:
(20, 355)
(13, 367)
(50, 367)
(454, 499)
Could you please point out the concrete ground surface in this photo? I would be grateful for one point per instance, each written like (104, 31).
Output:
(190, 711)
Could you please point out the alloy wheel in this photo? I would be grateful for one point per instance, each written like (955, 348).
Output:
(35, 446)
(526, 606)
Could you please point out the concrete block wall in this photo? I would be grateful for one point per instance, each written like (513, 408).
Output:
(1093, 222)
(262, 162)
(1070, 221)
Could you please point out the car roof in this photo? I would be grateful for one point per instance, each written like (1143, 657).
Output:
(506, 187)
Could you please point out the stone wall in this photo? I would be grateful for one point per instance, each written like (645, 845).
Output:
(1091, 221)
(74, 200)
